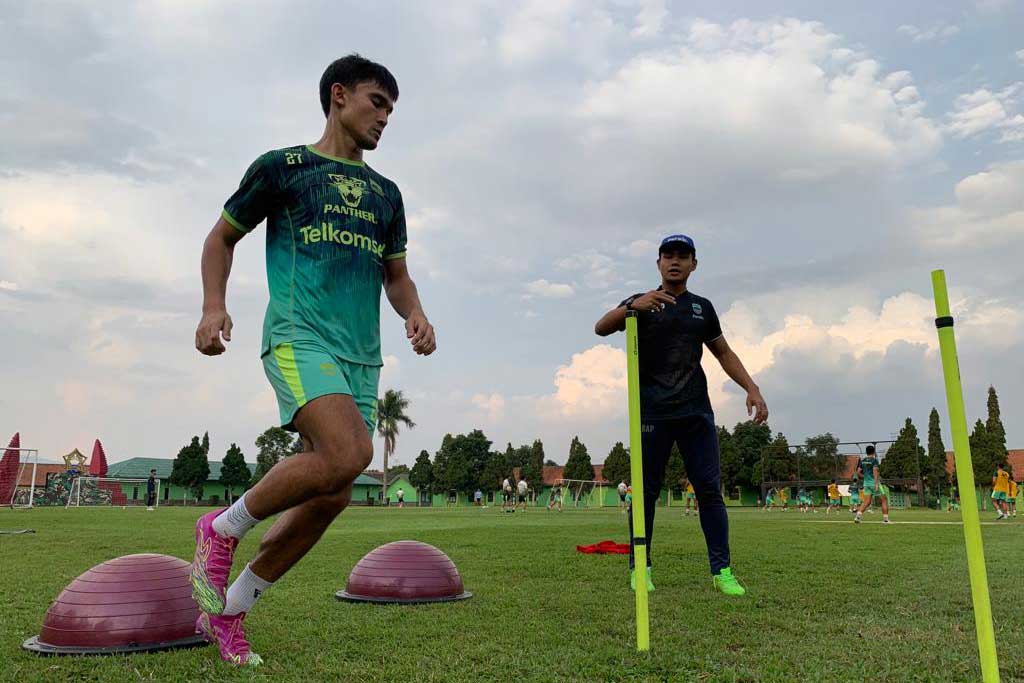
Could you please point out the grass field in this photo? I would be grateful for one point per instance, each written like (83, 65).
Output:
(826, 601)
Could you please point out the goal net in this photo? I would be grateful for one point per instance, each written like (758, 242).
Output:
(111, 492)
(582, 493)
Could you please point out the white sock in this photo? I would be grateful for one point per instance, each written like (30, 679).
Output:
(235, 521)
(243, 593)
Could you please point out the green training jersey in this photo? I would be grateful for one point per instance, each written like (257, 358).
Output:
(331, 224)
(867, 465)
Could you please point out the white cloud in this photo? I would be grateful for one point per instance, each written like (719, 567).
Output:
(492, 406)
(539, 30)
(939, 32)
(548, 290)
(989, 210)
(769, 86)
(1020, 56)
(984, 110)
(650, 19)
(598, 271)
(9, 286)
(638, 248)
(591, 387)
(391, 370)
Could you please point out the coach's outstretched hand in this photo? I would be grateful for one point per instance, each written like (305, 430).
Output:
(755, 401)
(420, 333)
(212, 327)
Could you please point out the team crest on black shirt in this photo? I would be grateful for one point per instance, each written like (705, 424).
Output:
(351, 189)
(697, 309)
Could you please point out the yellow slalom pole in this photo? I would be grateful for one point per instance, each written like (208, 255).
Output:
(965, 479)
(636, 470)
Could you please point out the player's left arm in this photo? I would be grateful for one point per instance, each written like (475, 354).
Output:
(405, 299)
(733, 367)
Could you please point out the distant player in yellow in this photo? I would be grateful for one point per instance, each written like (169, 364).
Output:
(691, 497)
(1013, 498)
(834, 499)
(1001, 492)
(784, 498)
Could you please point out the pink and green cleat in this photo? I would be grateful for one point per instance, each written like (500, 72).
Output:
(226, 632)
(211, 565)
(726, 583)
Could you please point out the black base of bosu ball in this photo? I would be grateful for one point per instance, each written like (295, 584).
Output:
(404, 572)
(135, 603)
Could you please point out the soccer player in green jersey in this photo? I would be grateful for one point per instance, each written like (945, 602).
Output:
(854, 494)
(873, 486)
(336, 236)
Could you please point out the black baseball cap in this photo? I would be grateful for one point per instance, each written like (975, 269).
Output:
(678, 241)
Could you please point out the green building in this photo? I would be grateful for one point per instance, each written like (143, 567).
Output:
(365, 489)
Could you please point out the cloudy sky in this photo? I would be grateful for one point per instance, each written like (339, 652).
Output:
(825, 160)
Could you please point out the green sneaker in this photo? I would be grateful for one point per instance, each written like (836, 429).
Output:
(632, 580)
(727, 583)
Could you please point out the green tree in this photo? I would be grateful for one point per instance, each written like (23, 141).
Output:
(233, 471)
(578, 466)
(675, 470)
(750, 440)
(421, 475)
(460, 461)
(533, 469)
(398, 470)
(191, 468)
(390, 414)
(298, 446)
(495, 470)
(995, 431)
(820, 457)
(206, 443)
(776, 458)
(550, 463)
(935, 469)
(274, 444)
(903, 459)
(617, 465)
(734, 472)
(982, 461)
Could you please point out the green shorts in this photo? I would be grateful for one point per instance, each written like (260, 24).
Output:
(869, 490)
(769, 501)
(301, 371)
(691, 496)
(855, 498)
(999, 495)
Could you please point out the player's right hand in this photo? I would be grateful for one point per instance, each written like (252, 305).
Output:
(653, 301)
(212, 327)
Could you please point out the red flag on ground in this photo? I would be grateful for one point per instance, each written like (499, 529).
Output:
(604, 548)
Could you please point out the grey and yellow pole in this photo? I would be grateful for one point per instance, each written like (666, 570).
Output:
(636, 471)
(965, 479)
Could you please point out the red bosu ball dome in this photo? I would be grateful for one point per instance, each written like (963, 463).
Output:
(135, 603)
(404, 572)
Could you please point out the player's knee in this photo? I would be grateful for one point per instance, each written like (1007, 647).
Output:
(346, 460)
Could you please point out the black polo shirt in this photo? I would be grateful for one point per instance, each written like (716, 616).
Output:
(672, 382)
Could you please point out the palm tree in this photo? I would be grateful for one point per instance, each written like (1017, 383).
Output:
(391, 412)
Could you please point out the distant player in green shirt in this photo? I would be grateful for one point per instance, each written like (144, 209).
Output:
(873, 486)
(854, 494)
(335, 236)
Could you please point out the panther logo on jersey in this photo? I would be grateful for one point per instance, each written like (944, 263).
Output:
(351, 189)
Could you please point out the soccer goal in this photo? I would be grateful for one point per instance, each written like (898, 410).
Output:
(110, 492)
(583, 493)
(17, 487)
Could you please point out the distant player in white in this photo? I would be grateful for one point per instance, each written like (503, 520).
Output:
(506, 494)
(622, 496)
(522, 488)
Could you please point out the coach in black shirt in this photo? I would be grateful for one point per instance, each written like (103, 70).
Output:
(674, 325)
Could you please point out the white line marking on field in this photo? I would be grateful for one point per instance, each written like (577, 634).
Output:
(864, 521)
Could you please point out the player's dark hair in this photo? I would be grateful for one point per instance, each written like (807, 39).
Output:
(870, 450)
(352, 70)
